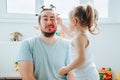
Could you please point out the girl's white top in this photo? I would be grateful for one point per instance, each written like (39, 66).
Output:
(88, 70)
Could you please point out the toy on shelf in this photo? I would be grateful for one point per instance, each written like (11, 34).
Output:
(16, 66)
(105, 74)
(16, 36)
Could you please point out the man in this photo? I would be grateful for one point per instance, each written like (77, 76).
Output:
(41, 57)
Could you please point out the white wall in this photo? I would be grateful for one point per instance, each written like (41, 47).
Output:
(6, 28)
(8, 53)
(107, 51)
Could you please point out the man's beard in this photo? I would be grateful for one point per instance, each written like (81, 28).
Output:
(48, 34)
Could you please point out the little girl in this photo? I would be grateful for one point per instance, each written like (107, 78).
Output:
(82, 19)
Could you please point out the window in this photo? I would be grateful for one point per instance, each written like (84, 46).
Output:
(63, 7)
(26, 9)
(102, 7)
(21, 6)
(19, 10)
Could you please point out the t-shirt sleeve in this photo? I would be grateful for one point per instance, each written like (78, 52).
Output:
(67, 53)
(24, 52)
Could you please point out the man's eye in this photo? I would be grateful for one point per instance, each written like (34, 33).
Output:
(46, 19)
(52, 19)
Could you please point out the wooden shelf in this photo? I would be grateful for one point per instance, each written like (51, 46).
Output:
(10, 78)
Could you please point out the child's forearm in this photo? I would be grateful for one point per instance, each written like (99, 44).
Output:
(71, 76)
(75, 64)
(66, 30)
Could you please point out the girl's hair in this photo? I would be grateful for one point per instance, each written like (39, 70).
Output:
(95, 27)
(86, 17)
(45, 9)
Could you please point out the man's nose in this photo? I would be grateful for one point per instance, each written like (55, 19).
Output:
(49, 21)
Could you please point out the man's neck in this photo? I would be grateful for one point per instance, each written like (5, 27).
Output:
(48, 40)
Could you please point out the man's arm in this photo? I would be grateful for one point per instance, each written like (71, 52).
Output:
(71, 76)
(26, 70)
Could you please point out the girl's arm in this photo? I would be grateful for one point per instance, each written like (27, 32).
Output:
(79, 44)
(71, 76)
(64, 27)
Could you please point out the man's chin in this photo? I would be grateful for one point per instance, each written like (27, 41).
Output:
(48, 34)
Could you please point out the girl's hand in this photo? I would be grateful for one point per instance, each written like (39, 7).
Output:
(63, 71)
(59, 21)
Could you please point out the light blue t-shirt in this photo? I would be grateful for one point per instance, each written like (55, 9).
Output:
(47, 58)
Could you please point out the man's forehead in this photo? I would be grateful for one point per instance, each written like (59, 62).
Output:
(48, 13)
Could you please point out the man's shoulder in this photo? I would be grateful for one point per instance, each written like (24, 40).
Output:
(30, 40)
(63, 41)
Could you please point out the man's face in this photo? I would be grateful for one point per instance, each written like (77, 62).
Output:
(48, 23)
